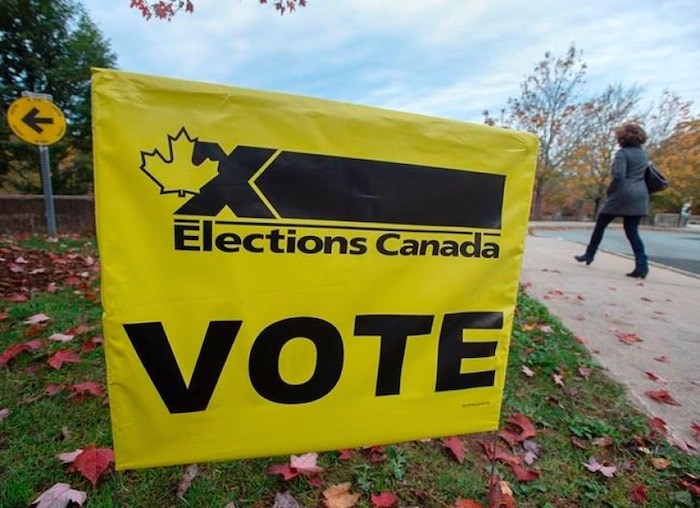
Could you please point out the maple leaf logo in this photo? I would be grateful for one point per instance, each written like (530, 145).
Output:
(174, 172)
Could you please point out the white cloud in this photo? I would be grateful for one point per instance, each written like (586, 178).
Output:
(443, 57)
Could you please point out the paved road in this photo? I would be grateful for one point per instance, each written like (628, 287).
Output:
(678, 249)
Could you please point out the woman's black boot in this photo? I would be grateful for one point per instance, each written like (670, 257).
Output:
(638, 274)
(583, 259)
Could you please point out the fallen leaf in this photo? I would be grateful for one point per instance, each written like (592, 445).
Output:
(11, 352)
(606, 469)
(681, 444)
(527, 429)
(558, 379)
(79, 330)
(88, 387)
(690, 487)
(61, 337)
(455, 445)
(306, 464)
(657, 424)
(585, 372)
(53, 389)
(603, 442)
(660, 463)
(655, 377)
(467, 503)
(695, 428)
(284, 470)
(522, 474)
(93, 462)
(35, 344)
(544, 328)
(339, 496)
(527, 371)
(345, 454)
(662, 358)
(500, 494)
(376, 454)
(496, 452)
(662, 396)
(60, 495)
(91, 344)
(285, 500)
(314, 481)
(628, 338)
(384, 500)
(639, 494)
(532, 451)
(36, 319)
(186, 482)
(69, 457)
(579, 443)
(4, 413)
(63, 356)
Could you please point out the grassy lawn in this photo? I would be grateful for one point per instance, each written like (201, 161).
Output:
(586, 415)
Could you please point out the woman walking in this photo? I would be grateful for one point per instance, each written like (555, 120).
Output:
(627, 197)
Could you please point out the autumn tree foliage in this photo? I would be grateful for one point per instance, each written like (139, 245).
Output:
(552, 107)
(678, 156)
(166, 9)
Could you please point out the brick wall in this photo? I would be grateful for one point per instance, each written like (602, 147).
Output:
(21, 214)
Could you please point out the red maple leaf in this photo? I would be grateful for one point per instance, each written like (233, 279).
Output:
(345, 454)
(384, 500)
(662, 358)
(496, 452)
(284, 470)
(93, 462)
(690, 487)
(662, 396)
(53, 389)
(467, 503)
(455, 445)
(88, 387)
(499, 495)
(695, 427)
(628, 338)
(11, 352)
(657, 424)
(376, 454)
(527, 429)
(655, 377)
(639, 494)
(523, 475)
(62, 356)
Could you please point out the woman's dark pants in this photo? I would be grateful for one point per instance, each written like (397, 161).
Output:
(631, 224)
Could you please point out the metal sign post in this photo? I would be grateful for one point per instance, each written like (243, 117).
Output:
(48, 190)
(34, 118)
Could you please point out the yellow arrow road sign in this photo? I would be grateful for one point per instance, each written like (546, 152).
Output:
(36, 120)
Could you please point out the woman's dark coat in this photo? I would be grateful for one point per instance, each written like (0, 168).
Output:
(627, 193)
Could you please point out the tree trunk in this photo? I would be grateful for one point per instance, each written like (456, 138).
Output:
(539, 196)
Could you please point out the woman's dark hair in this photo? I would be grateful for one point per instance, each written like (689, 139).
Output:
(630, 134)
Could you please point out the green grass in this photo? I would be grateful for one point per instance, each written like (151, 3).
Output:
(420, 472)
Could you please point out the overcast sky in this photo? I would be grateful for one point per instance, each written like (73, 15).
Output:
(449, 58)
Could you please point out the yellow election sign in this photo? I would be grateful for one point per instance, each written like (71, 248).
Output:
(283, 274)
(36, 120)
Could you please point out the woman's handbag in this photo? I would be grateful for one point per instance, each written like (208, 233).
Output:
(655, 181)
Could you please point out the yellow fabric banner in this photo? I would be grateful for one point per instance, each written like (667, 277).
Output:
(283, 274)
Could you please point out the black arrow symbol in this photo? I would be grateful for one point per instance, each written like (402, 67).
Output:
(33, 121)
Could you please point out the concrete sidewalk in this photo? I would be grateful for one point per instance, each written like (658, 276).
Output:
(598, 300)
